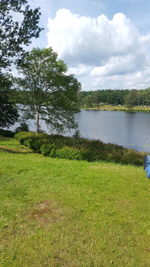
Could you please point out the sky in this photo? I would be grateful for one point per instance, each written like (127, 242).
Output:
(105, 43)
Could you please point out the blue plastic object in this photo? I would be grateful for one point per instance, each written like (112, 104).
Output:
(146, 161)
(147, 165)
(148, 171)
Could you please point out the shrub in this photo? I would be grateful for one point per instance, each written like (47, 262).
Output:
(48, 149)
(22, 136)
(70, 148)
(114, 155)
(22, 128)
(76, 137)
(53, 152)
(132, 157)
(6, 133)
(70, 153)
(36, 141)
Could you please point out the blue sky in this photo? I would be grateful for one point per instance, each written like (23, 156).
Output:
(106, 44)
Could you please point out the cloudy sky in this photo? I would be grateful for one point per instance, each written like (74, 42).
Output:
(105, 43)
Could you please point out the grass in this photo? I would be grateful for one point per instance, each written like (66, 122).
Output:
(69, 213)
(11, 145)
(120, 108)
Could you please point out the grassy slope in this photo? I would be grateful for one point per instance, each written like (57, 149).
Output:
(69, 213)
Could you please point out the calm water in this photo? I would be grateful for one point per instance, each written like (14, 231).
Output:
(130, 130)
(123, 128)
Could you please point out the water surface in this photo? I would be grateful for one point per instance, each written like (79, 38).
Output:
(129, 129)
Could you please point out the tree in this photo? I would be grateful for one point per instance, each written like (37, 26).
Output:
(147, 97)
(8, 111)
(51, 94)
(131, 99)
(14, 36)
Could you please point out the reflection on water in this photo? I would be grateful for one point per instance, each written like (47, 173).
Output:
(130, 130)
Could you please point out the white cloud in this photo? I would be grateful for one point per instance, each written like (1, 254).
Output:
(108, 52)
(138, 79)
(90, 39)
(120, 65)
(80, 70)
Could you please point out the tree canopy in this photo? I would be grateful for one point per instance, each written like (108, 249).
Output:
(51, 94)
(126, 97)
(14, 34)
(18, 24)
(8, 111)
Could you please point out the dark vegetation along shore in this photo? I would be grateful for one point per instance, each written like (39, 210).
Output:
(77, 148)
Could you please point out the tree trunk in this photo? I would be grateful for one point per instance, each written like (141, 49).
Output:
(37, 122)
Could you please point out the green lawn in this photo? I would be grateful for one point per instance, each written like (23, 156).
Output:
(71, 213)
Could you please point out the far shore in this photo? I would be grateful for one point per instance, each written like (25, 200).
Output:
(118, 108)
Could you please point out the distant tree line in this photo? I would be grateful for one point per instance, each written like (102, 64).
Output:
(130, 98)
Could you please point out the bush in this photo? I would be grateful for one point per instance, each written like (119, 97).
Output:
(76, 137)
(6, 133)
(22, 128)
(70, 153)
(34, 143)
(132, 157)
(48, 149)
(114, 155)
(22, 136)
(70, 148)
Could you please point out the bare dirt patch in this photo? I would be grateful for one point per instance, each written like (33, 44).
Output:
(46, 212)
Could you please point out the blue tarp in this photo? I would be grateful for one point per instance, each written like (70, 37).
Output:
(148, 171)
(147, 165)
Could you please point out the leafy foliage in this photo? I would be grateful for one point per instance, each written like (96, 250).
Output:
(22, 136)
(14, 34)
(6, 133)
(8, 110)
(71, 153)
(22, 128)
(47, 149)
(53, 94)
(90, 150)
(130, 98)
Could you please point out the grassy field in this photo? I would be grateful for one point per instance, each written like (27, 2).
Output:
(120, 108)
(71, 213)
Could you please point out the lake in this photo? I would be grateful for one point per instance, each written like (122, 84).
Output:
(131, 130)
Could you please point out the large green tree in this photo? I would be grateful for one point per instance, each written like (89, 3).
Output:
(8, 110)
(51, 95)
(18, 24)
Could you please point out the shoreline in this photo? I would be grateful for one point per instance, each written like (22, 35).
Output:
(118, 108)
